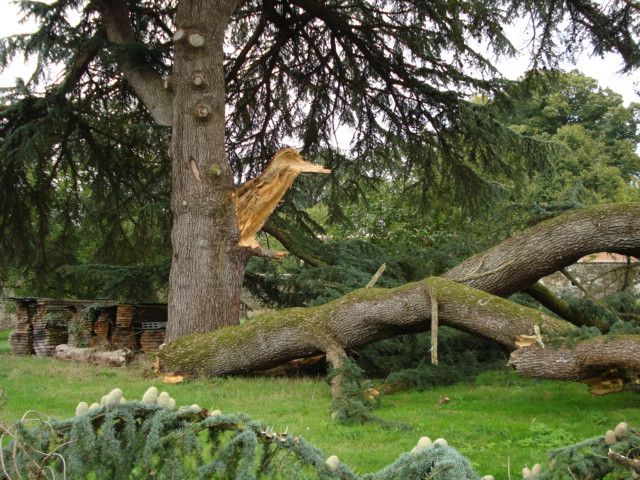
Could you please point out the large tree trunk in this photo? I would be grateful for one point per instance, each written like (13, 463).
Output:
(207, 267)
(214, 223)
(369, 315)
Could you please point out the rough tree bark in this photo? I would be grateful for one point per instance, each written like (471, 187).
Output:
(536, 252)
(253, 202)
(372, 314)
(359, 318)
(588, 359)
(206, 269)
(214, 223)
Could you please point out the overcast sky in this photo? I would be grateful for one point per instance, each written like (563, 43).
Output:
(604, 70)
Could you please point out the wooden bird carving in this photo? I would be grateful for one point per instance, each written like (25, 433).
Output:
(257, 198)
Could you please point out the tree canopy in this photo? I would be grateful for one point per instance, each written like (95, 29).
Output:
(84, 160)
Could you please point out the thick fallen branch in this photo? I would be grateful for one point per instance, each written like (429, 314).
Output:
(372, 314)
(536, 252)
(359, 318)
(593, 359)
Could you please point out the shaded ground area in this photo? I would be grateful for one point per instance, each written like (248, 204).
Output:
(500, 418)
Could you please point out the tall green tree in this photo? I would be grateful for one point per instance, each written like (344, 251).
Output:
(599, 136)
(233, 79)
(593, 158)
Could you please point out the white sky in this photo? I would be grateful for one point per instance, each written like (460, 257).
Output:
(605, 70)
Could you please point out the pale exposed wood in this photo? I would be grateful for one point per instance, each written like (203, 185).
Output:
(433, 298)
(337, 357)
(114, 358)
(377, 275)
(258, 198)
(196, 40)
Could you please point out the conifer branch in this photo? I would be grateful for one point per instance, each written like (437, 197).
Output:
(81, 62)
(145, 81)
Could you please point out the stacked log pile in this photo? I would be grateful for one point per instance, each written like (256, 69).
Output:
(124, 335)
(151, 320)
(43, 324)
(150, 340)
(21, 339)
(50, 325)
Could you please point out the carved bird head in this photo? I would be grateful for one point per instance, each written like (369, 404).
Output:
(256, 199)
(290, 159)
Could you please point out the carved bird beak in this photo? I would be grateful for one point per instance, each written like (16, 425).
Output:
(303, 166)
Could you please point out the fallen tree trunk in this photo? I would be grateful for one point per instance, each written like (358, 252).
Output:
(372, 314)
(600, 362)
(359, 318)
(536, 252)
(114, 358)
(587, 359)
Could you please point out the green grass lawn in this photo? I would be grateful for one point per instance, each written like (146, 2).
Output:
(498, 420)
(4, 341)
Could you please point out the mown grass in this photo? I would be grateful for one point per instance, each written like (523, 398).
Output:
(498, 420)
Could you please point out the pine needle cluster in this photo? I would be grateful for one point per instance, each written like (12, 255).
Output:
(121, 439)
(144, 439)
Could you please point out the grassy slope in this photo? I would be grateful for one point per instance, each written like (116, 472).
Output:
(501, 418)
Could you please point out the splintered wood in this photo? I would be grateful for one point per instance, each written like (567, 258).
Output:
(257, 199)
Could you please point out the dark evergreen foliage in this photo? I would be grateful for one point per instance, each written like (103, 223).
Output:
(588, 459)
(85, 172)
(357, 398)
(133, 284)
(144, 440)
(353, 263)
(407, 360)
